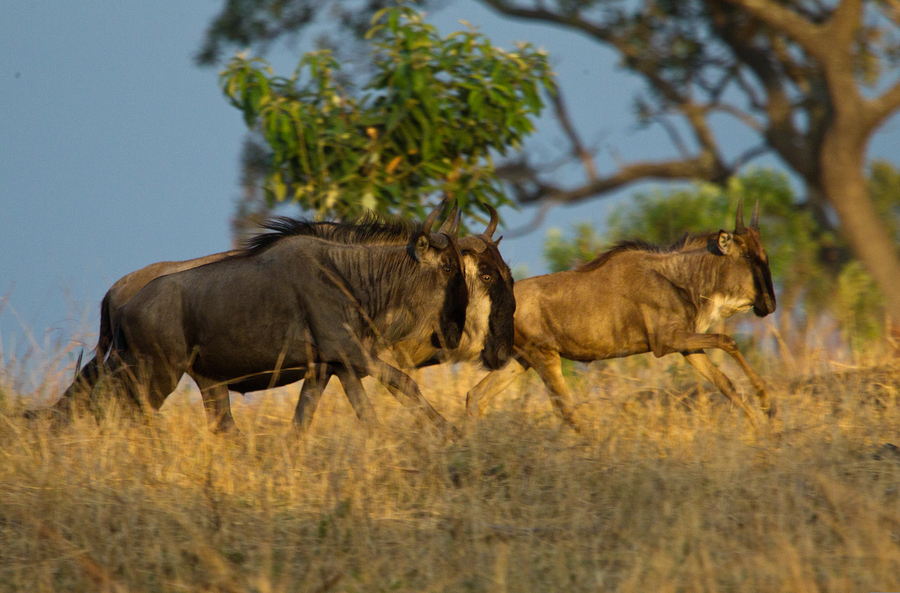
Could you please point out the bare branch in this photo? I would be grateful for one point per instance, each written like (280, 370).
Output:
(674, 136)
(535, 223)
(741, 115)
(778, 16)
(749, 155)
(578, 149)
(543, 15)
(884, 106)
(740, 35)
(529, 189)
(753, 98)
(895, 6)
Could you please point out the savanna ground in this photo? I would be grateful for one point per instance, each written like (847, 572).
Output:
(669, 489)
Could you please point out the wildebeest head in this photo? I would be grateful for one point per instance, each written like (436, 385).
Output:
(492, 303)
(440, 253)
(750, 269)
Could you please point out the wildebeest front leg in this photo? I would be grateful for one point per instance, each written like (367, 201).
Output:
(314, 386)
(492, 384)
(399, 384)
(217, 405)
(690, 342)
(691, 346)
(353, 388)
(704, 366)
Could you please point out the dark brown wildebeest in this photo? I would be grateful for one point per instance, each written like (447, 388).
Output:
(487, 337)
(638, 298)
(295, 298)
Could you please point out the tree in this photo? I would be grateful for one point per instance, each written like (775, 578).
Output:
(810, 80)
(428, 120)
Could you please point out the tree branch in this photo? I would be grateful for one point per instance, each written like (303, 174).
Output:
(740, 115)
(776, 15)
(529, 189)
(884, 106)
(543, 15)
(535, 223)
(749, 155)
(578, 149)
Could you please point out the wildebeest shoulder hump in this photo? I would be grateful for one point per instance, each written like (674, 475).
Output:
(367, 229)
(688, 241)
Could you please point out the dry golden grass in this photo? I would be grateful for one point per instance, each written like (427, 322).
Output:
(670, 489)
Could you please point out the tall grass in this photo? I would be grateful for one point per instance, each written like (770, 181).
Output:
(669, 489)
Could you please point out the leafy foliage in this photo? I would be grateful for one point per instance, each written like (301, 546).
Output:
(428, 121)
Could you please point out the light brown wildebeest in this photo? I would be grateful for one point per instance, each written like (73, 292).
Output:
(636, 298)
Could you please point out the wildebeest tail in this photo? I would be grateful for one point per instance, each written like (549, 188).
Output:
(106, 332)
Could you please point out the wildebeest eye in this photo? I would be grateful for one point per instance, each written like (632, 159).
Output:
(448, 269)
(486, 277)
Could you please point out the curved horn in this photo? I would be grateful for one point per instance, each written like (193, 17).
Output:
(474, 243)
(492, 225)
(447, 226)
(754, 220)
(739, 228)
(454, 230)
(429, 222)
(439, 240)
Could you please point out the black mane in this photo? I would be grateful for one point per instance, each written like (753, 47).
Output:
(368, 229)
(686, 242)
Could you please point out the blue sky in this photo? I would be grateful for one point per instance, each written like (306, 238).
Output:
(116, 151)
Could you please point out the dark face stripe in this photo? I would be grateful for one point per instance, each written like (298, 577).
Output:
(765, 302)
(498, 343)
(501, 330)
(456, 301)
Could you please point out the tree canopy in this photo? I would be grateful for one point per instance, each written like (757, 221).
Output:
(808, 81)
(428, 120)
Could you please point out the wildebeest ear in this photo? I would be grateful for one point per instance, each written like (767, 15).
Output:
(422, 247)
(724, 241)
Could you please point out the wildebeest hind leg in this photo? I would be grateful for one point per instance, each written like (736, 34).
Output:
(549, 366)
(217, 404)
(700, 361)
(81, 389)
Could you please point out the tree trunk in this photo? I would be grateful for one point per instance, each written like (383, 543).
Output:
(844, 185)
